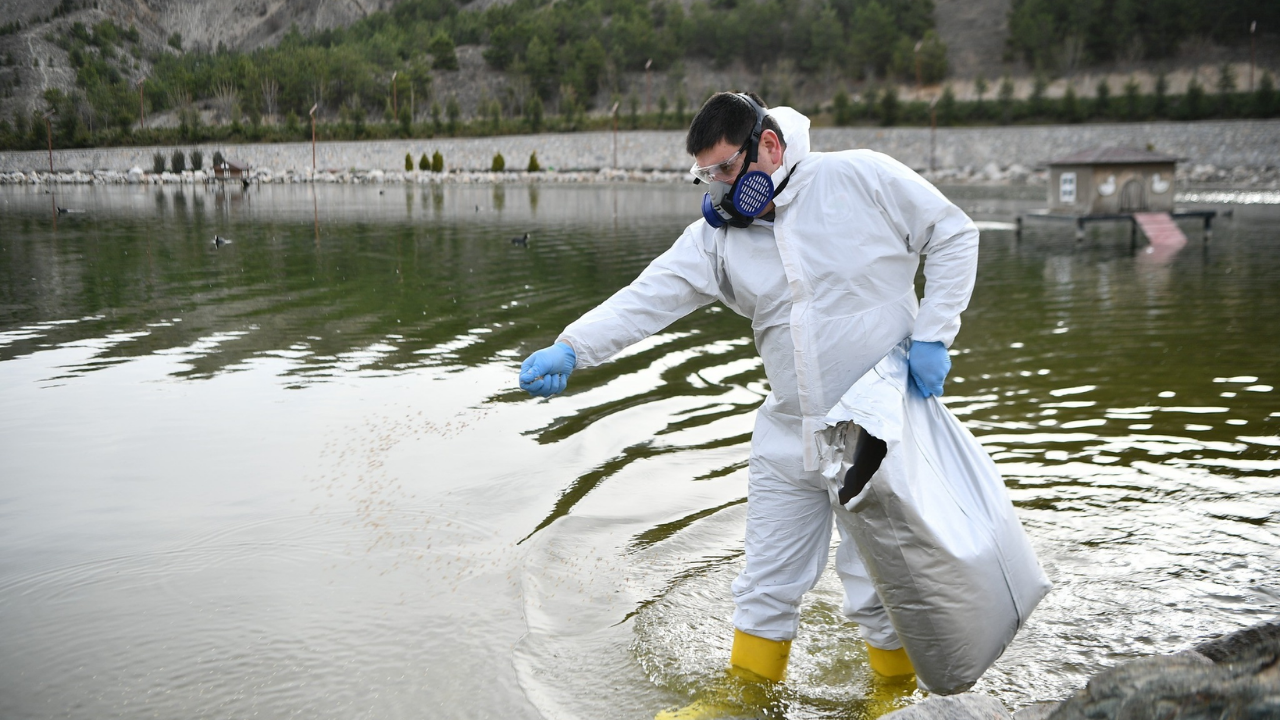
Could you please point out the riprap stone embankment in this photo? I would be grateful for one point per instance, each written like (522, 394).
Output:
(1253, 145)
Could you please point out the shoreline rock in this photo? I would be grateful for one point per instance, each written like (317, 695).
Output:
(1234, 676)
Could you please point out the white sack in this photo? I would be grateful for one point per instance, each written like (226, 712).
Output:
(935, 527)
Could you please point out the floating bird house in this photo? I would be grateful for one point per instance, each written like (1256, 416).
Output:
(230, 169)
(1110, 181)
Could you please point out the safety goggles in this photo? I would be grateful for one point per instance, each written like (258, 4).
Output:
(721, 170)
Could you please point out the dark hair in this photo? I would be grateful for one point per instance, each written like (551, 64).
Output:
(726, 116)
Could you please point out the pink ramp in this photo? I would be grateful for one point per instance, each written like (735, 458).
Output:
(1164, 234)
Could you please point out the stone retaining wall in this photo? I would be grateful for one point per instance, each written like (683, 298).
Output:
(1247, 143)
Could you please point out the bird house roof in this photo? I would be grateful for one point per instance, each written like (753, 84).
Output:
(1113, 156)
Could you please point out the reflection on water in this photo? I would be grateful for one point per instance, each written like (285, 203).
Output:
(1235, 197)
(292, 475)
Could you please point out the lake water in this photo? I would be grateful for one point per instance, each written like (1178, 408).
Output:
(294, 477)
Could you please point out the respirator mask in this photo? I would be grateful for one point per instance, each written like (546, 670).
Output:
(737, 204)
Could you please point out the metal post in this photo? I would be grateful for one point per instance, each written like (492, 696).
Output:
(1253, 28)
(614, 113)
(142, 108)
(647, 63)
(916, 52)
(395, 105)
(48, 126)
(312, 112)
(933, 132)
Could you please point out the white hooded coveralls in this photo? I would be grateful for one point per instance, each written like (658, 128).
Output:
(829, 289)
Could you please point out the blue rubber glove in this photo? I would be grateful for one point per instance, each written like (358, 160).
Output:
(930, 363)
(546, 372)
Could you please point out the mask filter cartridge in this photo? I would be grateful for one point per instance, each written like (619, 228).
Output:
(752, 193)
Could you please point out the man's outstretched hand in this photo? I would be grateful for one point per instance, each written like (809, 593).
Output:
(546, 372)
(929, 363)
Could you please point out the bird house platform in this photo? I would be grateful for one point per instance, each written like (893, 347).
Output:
(1132, 217)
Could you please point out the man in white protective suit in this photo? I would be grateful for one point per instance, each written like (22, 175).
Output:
(820, 252)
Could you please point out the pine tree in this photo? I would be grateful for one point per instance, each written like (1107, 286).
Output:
(1193, 100)
(1005, 98)
(1264, 99)
(1070, 106)
(1161, 103)
(443, 52)
(1132, 98)
(840, 108)
(1102, 99)
(947, 106)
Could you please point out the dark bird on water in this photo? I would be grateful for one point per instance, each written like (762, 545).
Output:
(522, 241)
(73, 211)
(219, 241)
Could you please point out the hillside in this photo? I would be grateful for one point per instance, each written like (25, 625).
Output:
(975, 33)
(201, 24)
(239, 24)
(217, 57)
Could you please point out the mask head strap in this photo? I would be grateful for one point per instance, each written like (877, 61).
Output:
(752, 145)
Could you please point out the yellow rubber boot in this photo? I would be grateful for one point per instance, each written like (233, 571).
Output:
(760, 657)
(754, 663)
(890, 663)
(892, 683)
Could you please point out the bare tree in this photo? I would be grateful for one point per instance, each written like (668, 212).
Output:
(317, 96)
(1072, 53)
(225, 99)
(179, 98)
(1133, 52)
(270, 97)
(85, 109)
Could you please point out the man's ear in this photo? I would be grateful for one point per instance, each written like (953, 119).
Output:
(771, 145)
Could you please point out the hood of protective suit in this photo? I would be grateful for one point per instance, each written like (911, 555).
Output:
(795, 133)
